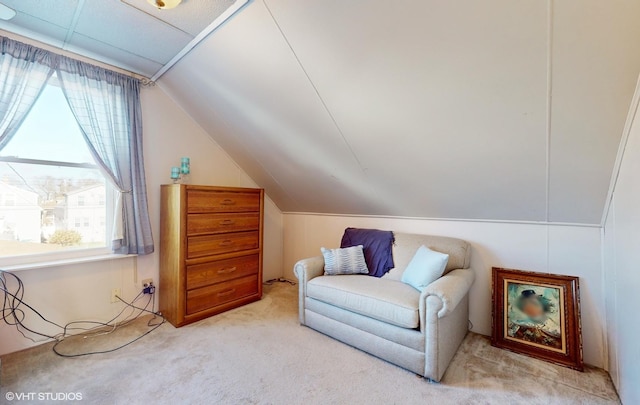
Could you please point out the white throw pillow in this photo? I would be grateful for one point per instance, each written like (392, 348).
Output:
(344, 261)
(426, 267)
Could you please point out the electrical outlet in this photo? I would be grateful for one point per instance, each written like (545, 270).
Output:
(115, 293)
(147, 286)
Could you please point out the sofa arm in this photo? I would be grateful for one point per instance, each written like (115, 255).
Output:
(450, 289)
(305, 270)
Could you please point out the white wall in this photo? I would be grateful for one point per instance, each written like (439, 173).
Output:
(170, 134)
(621, 254)
(83, 291)
(570, 250)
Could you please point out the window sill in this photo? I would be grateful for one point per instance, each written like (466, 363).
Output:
(65, 262)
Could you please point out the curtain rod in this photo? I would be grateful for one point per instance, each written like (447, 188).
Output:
(51, 48)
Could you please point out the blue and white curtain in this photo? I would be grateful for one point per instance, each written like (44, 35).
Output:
(24, 71)
(106, 105)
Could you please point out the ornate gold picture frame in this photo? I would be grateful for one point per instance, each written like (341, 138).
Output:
(538, 315)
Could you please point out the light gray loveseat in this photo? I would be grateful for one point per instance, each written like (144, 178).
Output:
(388, 318)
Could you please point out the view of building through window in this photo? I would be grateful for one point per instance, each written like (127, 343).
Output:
(52, 196)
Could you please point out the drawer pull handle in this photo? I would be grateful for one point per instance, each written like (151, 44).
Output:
(227, 201)
(227, 222)
(227, 270)
(226, 242)
(226, 293)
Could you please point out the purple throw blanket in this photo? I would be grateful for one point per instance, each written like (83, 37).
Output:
(377, 248)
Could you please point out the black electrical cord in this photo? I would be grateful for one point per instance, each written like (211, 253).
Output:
(155, 315)
(102, 324)
(156, 326)
(279, 280)
(13, 315)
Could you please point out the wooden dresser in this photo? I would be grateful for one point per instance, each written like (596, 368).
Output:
(210, 250)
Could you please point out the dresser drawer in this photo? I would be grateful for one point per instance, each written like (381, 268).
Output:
(204, 274)
(222, 201)
(209, 245)
(218, 294)
(221, 223)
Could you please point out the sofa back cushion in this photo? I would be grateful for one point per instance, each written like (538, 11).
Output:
(407, 245)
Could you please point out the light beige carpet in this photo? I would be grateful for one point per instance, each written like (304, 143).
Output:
(258, 354)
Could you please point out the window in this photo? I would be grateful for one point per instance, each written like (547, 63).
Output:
(54, 197)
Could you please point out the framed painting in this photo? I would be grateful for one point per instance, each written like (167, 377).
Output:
(538, 315)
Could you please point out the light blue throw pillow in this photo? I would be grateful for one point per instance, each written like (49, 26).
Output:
(344, 261)
(426, 267)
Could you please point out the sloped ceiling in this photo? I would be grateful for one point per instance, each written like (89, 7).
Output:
(495, 109)
(130, 34)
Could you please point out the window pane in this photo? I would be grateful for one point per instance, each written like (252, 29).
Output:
(49, 208)
(50, 131)
(44, 206)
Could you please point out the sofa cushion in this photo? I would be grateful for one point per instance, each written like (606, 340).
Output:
(388, 301)
(344, 261)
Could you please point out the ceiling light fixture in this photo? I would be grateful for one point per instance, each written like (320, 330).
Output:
(164, 4)
(6, 13)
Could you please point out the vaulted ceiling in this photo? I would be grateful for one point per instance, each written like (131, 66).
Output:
(493, 109)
